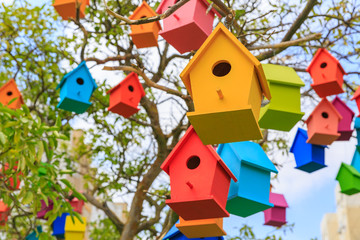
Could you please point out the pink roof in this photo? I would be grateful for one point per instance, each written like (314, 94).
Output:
(322, 102)
(326, 52)
(356, 94)
(278, 200)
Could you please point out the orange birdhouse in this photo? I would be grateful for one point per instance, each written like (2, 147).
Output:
(327, 74)
(8, 92)
(4, 213)
(323, 124)
(203, 228)
(227, 84)
(144, 35)
(199, 179)
(125, 97)
(67, 8)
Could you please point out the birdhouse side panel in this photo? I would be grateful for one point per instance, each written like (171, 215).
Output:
(339, 75)
(347, 117)
(278, 214)
(318, 154)
(203, 19)
(285, 97)
(323, 120)
(302, 151)
(221, 184)
(255, 96)
(182, 16)
(74, 235)
(323, 69)
(8, 93)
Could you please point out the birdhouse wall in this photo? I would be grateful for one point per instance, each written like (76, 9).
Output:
(321, 74)
(285, 97)
(347, 116)
(67, 8)
(147, 38)
(73, 88)
(8, 93)
(221, 176)
(59, 225)
(75, 235)
(203, 228)
(127, 93)
(349, 179)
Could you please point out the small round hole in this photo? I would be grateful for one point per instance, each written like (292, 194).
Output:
(323, 65)
(193, 162)
(9, 93)
(131, 88)
(324, 114)
(80, 81)
(221, 69)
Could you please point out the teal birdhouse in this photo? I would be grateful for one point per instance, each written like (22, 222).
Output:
(356, 159)
(76, 88)
(252, 168)
(284, 110)
(357, 127)
(35, 234)
(349, 179)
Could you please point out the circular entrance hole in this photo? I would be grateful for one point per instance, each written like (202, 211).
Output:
(131, 88)
(193, 162)
(323, 65)
(221, 69)
(9, 93)
(80, 81)
(324, 114)
(143, 17)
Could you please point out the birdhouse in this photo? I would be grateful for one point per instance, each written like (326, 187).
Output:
(188, 27)
(356, 97)
(345, 123)
(35, 234)
(76, 88)
(45, 208)
(74, 229)
(144, 35)
(251, 166)
(284, 110)
(175, 234)
(125, 97)
(77, 205)
(226, 83)
(323, 124)
(67, 8)
(203, 228)
(327, 74)
(8, 92)
(276, 216)
(308, 157)
(58, 226)
(13, 177)
(4, 213)
(199, 179)
(349, 179)
(357, 128)
(356, 159)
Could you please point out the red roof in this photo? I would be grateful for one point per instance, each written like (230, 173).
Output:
(278, 200)
(356, 94)
(322, 102)
(129, 77)
(326, 52)
(3, 207)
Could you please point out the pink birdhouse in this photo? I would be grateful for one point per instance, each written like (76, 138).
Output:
(199, 179)
(327, 74)
(356, 97)
(77, 205)
(4, 213)
(189, 26)
(323, 124)
(125, 97)
(347, 118)
(45, 208)
(276, 216)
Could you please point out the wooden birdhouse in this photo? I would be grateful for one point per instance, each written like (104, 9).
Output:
(349, 179)
(67, 8)
(8, 92)
(45, 208)
(283, 111)
(323, 124)
(58, 226)
(203, 228)
(276, 216)
(199, 179)
(4, 213)
(175, 234)
(357, 128)
(308, 157)
(356, 97)
(356, 159)
(144, 35)
(327, 74)
(77, 205)
(226, 83)
(74, 229)
(34, 235)
(251, 166)
(347, 117)
(189, 26)
(76, 88)
(125, 97)
(13, 177)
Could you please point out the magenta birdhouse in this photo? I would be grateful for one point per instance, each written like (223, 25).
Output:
(189, 26)
(323, 124)
(276, 216)
(347, 117)
(356, 97)
(199, 179)
(45, 208)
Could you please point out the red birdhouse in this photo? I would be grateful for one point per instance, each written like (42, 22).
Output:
(356, 97)
(276, 216)
(67, 8)
(4, 213)
(77, 205)
(327, 74)
(125, 97)
(323, 124)
(12, 184)
(8, 92)
(144, 35)
(199, 179)
(347, 118)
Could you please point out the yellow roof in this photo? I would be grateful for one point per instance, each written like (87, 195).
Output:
(75, 226)
(207, 44)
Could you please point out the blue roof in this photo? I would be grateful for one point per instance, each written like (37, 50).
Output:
(81, 65)
(172, 232)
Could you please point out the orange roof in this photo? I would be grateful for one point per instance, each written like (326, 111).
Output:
(326, 52)
(147, 7)
(12, 82)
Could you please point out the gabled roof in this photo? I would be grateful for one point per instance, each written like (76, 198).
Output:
(356, 94)
(12, 82)
(326, 52)
(145, 6)
(278, 200)
(128, 78)
(343, 104)
(282, 74)
(324, 101)
(349, 168)
(162, 4)
(190, 133)
(81, 65)
(251, 153)
(221, 29)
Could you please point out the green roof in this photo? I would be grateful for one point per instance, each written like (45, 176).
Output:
(351, 169)
(282, 74)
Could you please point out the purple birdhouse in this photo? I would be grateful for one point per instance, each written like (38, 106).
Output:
(347, 117)
(276, 216)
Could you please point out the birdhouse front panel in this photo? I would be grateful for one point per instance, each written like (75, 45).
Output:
(349, 179)
(8, 92)
(4, 213)
(74, 229)
(67, 8)
(77, 205)
(347, 117)
(201, 228)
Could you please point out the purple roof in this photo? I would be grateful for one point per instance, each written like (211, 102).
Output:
(278, 200)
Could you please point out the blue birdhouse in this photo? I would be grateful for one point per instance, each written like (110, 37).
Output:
(76, 88)
(357, 127)
(308, 157)
(35, 234)
(58, 226)
(175, 234)
(252, 168)
(356, 159)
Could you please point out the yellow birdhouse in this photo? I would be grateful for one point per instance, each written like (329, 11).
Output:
(227, 84)
(74, 230)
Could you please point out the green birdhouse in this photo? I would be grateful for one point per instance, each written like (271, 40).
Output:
(283, 112)
(349, 179)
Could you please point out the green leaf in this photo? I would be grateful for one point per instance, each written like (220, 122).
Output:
(29, 196)
(3, 138)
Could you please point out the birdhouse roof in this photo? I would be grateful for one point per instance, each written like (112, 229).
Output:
(278, 200)
(323, 102)
(131, 77)
(250, 153)
(356, 94)
(161, 8)
(343, 105)
(12, 82)
(75, 226)
(282, 74)
(350, 169)
(174, 231)
(320, 52)
(144, 7)
(81, 65)
(221, 29)
(3, 207)
(190, 133)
